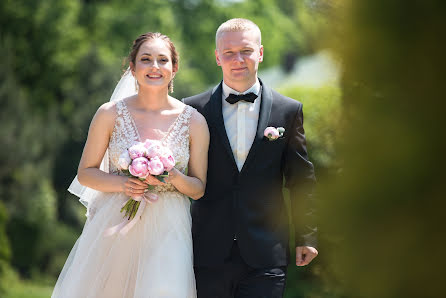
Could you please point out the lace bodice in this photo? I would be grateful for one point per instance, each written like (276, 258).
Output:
(125, 134)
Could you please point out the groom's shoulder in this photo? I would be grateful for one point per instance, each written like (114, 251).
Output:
(285, 101)
(198, 100)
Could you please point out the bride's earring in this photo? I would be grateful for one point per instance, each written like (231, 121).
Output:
(136, 81)
(171, 83)
(171, 86)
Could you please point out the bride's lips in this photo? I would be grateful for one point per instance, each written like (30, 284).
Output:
(154, 76)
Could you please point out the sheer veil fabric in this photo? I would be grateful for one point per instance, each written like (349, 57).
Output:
(126, 87)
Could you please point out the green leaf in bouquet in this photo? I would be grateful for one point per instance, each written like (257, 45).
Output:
(162, 176)
(127, 173)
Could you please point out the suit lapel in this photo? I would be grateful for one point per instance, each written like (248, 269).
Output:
(217, 119)
(264, 115)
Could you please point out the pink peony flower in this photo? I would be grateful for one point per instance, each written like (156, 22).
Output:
(271, 133)
(155, 149)
(137, 150)
(168, 161)
(139, 167)
(155, 167)
(124, 160)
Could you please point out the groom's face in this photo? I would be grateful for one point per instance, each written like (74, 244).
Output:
(239, 55)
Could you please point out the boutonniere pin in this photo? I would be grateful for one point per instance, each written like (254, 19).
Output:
(273, 133)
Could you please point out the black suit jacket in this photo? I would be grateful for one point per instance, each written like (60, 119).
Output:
(249, 204)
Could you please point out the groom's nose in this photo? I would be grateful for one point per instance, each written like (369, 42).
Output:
(238, 57)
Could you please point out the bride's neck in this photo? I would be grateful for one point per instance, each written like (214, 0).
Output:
(153, 99)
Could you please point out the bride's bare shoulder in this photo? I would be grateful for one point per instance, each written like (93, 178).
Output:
(109, 109)
(198, 124)
(106, 112)
(106, 115)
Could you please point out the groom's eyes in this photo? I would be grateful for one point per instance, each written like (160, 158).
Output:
(244, 51)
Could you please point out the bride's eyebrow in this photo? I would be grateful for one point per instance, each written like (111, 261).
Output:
(148, 54)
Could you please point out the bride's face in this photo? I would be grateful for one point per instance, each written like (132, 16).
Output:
(153, 64)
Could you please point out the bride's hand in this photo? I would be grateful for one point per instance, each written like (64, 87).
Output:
(153, 181)
(172, 175)
(134, 187)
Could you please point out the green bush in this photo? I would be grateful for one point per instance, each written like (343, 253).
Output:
(55, 249)
(384, 213)
(322, 111)
(5, 251)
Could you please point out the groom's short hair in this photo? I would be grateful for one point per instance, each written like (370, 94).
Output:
(238, 25)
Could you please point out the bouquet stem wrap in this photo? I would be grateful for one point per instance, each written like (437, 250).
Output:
(128, 223)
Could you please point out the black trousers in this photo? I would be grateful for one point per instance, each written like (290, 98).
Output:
(236, 279)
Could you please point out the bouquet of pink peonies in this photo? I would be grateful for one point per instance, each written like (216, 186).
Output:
(138, 161)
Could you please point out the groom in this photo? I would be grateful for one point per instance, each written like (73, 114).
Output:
(240, 226)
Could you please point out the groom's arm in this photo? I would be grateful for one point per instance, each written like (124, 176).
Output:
(300, 180)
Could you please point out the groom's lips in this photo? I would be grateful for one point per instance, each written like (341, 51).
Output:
(239, 69)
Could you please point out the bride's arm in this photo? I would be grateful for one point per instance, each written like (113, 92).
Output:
(89, 174)
(193, 185)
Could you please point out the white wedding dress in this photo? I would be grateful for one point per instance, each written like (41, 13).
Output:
(154, 259)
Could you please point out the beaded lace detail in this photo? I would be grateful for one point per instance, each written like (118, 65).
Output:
(125, 134)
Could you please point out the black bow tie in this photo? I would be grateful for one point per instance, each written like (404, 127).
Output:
(249, 97)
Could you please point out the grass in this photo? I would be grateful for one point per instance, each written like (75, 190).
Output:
(39, 289)
(29, 289)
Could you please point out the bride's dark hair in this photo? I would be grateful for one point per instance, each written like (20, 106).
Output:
(154, 35)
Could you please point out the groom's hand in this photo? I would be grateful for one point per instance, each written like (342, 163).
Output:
(305, 254)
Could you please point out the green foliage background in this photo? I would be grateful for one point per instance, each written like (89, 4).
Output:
(377, 143)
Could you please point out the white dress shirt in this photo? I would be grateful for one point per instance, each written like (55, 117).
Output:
(241, 121)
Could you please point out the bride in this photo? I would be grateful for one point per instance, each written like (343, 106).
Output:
(154, 258)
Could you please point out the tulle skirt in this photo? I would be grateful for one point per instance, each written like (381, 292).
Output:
(154, 259)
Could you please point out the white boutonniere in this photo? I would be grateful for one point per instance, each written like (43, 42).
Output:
(273, 133)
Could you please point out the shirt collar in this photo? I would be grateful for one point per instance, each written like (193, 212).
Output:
(228, 90)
